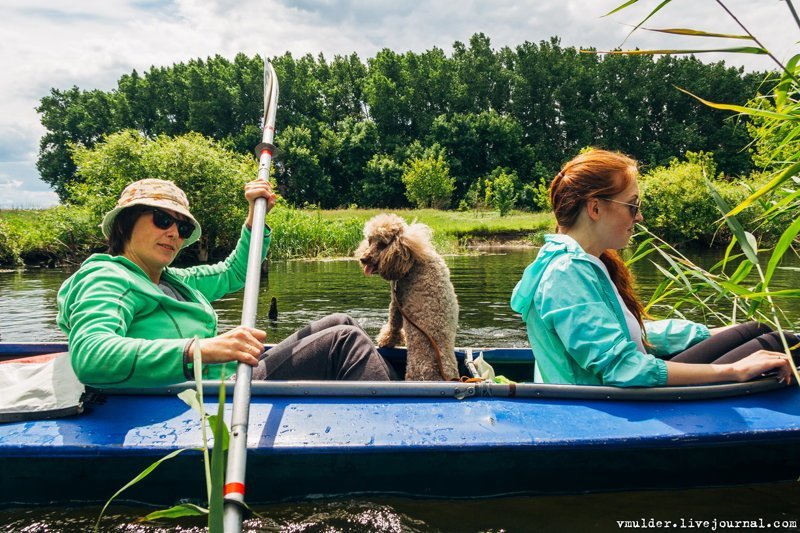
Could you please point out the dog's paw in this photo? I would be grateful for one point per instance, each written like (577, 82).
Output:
(388, 338)
(385, 338)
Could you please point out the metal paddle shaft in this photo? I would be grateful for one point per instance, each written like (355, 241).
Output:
(237, 450)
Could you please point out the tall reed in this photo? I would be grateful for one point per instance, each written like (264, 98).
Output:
(778, 113)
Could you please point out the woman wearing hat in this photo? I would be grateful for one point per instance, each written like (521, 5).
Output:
(131, 319)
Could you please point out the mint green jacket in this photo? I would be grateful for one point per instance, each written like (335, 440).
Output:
(124, 331)
(576, 326)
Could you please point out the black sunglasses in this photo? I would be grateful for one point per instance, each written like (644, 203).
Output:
(163, 220)
(632, 208)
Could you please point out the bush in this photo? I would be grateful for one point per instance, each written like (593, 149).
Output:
(475, 197)
(428, 182)
(49, 236)
(677, 205)
(72, 233)
(501, 187)
(536, 196)
(9, 245)
(212, 177)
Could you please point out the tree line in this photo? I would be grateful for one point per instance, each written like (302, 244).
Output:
(349, 131)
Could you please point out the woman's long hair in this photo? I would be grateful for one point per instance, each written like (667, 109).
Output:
(597, 173)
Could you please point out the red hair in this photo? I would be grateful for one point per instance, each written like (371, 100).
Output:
(593, 174)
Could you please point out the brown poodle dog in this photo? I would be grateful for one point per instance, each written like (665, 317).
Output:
(421, 290)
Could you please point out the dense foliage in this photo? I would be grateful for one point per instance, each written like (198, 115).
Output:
(347, 128)
(49, 237)
(428, 182)
(500, 190)
(677, 207)
(40, 237)
(9, 253)
(212, 177)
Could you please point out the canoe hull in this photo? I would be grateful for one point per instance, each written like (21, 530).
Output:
(433, 474)
(457, 449)
(302, 446)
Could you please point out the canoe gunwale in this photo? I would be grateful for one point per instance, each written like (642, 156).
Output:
(438, 390)
(462, 391)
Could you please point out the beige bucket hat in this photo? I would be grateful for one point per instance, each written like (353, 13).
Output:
(155, 193)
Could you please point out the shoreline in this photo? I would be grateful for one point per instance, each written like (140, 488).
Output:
(462, 246)
(501, 244)
(475, 245)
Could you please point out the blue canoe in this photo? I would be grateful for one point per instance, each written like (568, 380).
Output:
(453, 440)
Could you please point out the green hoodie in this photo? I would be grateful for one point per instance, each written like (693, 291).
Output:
(576, 326)
(124, 331)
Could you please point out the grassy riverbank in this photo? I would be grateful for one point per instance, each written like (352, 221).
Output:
(48, 236)
(453, 231)
(63, 235)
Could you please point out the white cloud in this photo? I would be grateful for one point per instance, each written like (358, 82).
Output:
(10, 184)
(13, 195)
(91, 44)
(24, 199)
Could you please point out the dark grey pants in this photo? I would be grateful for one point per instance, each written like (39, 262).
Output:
(332, 348)
(737, 343)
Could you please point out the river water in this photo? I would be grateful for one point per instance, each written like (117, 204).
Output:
(306, 290)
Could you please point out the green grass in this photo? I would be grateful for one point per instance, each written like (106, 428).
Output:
(47, 236)
(20, 215)
(478, 223)
(14, 223)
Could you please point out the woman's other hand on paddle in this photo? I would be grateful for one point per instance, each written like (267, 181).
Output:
(258, 189)
(761, 362)
(241, 344)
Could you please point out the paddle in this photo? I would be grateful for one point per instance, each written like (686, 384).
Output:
(237, 451)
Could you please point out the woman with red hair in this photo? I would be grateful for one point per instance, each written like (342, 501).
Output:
(584, 321)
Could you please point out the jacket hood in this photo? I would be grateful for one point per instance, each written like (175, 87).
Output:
(555, 245)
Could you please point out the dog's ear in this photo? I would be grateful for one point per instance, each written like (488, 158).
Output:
(418, 238)
(362, 248)
(396, 259)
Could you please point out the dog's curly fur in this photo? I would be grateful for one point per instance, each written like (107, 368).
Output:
(403, 254)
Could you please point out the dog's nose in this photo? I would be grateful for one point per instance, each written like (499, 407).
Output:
(364, 260)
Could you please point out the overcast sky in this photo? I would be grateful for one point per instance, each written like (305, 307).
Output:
(91, 43)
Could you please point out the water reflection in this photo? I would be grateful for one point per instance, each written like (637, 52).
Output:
(28, 305)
